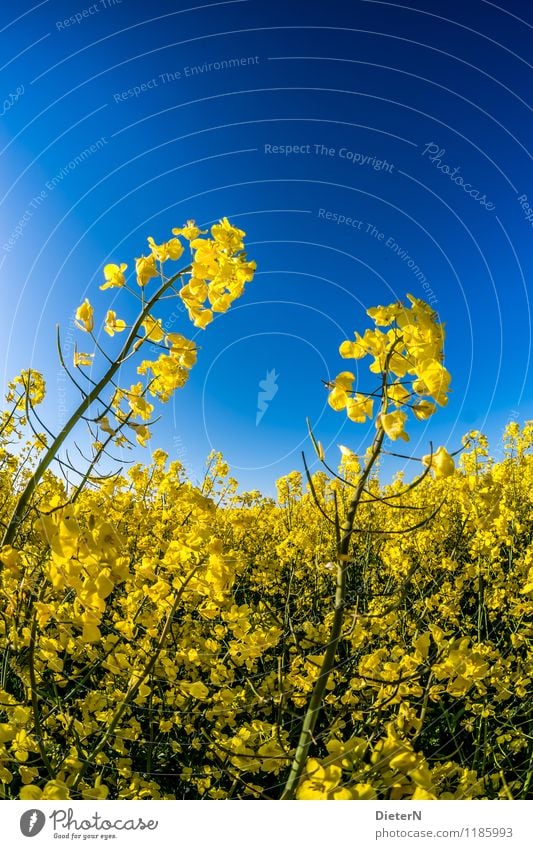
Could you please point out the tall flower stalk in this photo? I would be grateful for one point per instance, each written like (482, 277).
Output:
(216, 277)
(408, 358)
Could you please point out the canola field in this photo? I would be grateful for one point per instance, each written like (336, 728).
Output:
(346, 640)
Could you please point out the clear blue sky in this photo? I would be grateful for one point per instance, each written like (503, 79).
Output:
(191, 110)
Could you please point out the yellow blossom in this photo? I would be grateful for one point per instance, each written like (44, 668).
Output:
(341, 387)
(423, 410)
(85, 316)
(393, 424)
(153, 329)
(145, 267)
(114, 275)
(172, 249)
(81, 359)
(441, 463)
(359, 408)
(142, 434)
(113, 324)
(189, 231)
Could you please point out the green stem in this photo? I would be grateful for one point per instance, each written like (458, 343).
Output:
(315, 703)
(34, 694)
(49, 456)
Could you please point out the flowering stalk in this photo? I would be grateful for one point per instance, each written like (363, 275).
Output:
(315, 703)
(343, 563)
(23, 501)
(410, 354)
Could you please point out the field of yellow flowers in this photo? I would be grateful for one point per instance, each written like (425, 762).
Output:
(348, 640)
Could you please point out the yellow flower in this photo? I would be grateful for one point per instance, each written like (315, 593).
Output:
(393, 425)
(81, 359)
(319, 782)
(383, 316)
(201, 318)
(142, 434)
(169, 375)
(363, 791)
(422, 313)
(423, 410)
(55, 790)
(91, 633)
(28, 774)
(182, 349)
(197, 690)
(420, 793)
(99, 791)
(359, 408)
(433, 380)
(221, 303)
(114, 275)
(103, 423)
(33, 384)
(10, 557)
(355, 350)
(441, 463)
(30, 793)
(398, 394)
(85, 316)
(146, 269)
(172, 249)
(341, 386)
(153, 329)
(189, 231)
(22, 745)
(227, 236)
(138, 404)
(113, 324)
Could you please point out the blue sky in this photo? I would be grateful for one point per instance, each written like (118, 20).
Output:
(335, 136)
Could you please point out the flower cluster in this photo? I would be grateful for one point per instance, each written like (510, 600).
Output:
(216, 276)
(219, 273)
(409, 354)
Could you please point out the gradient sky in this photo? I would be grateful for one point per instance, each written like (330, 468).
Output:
(367, 92)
